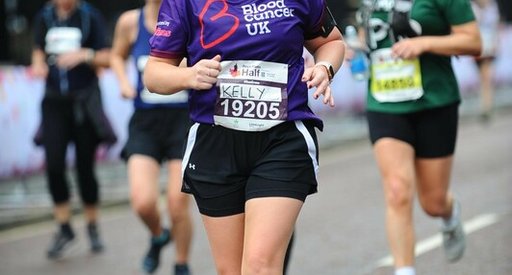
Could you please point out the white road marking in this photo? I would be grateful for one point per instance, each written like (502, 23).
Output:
(436, 241)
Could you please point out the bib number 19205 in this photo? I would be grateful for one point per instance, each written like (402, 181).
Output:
(250, 109)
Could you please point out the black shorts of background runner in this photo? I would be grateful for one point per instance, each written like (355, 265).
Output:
(432, 133)
(224, 168)
(159, 133)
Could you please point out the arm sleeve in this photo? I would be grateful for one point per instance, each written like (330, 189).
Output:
(39, 31)
(97, 37)
(457, 11)
(169, 39)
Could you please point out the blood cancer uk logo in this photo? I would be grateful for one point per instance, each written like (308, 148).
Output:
(218, 23)
(258, 16)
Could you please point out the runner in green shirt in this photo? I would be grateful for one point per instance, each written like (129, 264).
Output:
(432, 50)
(412, 106)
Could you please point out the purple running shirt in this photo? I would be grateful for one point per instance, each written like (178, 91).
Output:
(243, 33)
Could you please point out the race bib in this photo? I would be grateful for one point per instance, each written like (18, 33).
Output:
(152, 98)
(61, 40)
(252, 95)
(395, 79)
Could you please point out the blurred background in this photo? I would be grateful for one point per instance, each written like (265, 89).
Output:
(16, 25)
(16, 21)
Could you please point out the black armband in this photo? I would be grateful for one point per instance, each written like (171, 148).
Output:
(328, 24)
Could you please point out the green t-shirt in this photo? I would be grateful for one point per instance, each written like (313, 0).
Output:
(438, 80)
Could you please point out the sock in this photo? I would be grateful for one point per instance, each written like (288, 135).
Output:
(66, 229)
(91, 225)
(405, 270)
(454, 218)
(160, 238)
(181, 267)
(92, 228)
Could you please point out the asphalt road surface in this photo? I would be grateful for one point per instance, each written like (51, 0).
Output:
(340, 230)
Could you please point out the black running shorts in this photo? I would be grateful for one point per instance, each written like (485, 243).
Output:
(432, 133)
(224, 168)
(159, 133)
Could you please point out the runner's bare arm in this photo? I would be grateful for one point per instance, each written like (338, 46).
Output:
(39, 68)
(160, 75)
(464, 39)
(124, 36)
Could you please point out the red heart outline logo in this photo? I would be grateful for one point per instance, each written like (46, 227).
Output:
(222, 13)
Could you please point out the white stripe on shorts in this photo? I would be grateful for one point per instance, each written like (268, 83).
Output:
(310, 143)
(191, 141)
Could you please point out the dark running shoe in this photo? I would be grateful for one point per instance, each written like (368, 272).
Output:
(152, 258)
(94, 238)
(61, 242)
(181, 269)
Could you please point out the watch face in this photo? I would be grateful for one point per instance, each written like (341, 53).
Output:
(331, 72)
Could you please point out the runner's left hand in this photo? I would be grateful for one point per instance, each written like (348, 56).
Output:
(316, 76)
(408, 48)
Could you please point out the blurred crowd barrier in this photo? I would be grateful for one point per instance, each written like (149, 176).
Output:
(20, 97)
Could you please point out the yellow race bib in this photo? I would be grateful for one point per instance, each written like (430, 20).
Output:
(395, 79)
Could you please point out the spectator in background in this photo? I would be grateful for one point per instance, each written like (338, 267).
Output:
(488, 18)
(157, 132)
(69, 47)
